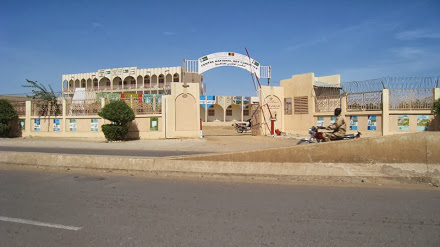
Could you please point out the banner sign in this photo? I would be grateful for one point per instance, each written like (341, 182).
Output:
(422, 122)
(94, 124)
(21, 124)
(207, 100)
(353, 122)
(56, 124)
(154, 126)
(37, 124)
(371, 122)
(320, 122)
(220, 59)
(72, 124)
(403, 122)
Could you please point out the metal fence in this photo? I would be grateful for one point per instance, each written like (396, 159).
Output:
(366, 101)
(411, 99)
(327, 103)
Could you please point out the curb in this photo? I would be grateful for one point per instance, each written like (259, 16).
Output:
(331, 172)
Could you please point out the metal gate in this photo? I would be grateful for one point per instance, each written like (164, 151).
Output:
(255, 119)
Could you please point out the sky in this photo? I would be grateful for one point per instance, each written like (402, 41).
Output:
(360, 40)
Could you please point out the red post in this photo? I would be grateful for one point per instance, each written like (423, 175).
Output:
(272, 126)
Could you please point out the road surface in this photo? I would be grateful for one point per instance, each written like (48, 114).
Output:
(40, 208)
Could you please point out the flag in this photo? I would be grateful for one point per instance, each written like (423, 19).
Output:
(231, 54)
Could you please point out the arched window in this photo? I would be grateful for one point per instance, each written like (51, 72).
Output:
(176, 77)
(95, 83)
(147, 81)
(161, 79)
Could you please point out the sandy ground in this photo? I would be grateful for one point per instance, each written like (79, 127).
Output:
(216, 139)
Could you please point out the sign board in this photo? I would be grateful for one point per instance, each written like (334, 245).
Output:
(72, 124)
(94, 124)
(207, 100)
(21, 124)
(353, 122)
(422, 122)
(56, 124)
(221, 59)
(320, 122)
(372, 123)
(403, 122)
(154, 124)
(37, 124)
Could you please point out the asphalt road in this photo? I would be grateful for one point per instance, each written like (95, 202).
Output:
(40, 208)
(92, 151)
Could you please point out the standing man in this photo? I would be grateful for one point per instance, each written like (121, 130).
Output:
(338, 128)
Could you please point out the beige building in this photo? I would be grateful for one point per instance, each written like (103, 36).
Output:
(129, 80)
(306, 100)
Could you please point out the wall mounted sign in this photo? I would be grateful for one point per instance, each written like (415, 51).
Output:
(371, 122)
(353, 122)
(403, 122)
(422, 122)
(320, 122)
(37, 124)
(56, 124)
(72, 125)
(94, 124)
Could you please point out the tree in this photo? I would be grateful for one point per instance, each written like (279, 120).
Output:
(47, 100)
(7, 113)
(436, 108)
(119, 113)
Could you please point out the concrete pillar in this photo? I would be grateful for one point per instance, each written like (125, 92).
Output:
(242, 108)
(385, 112)
(64, 112)
(344, 104)
(436, 93)
(27, 121)
(102, 102)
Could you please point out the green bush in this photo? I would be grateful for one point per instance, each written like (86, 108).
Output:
(4, 130)
(119, 113)
(7, 111)
(436, 108)
(114, 132)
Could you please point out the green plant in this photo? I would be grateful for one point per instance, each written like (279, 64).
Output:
(7, 113)
(4, 130)
(48, 101)
(436, 108)
(114, 132)
(119, 113)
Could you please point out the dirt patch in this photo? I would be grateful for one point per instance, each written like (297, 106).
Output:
(216, 140)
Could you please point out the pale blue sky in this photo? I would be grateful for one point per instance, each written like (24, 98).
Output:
(41, 40)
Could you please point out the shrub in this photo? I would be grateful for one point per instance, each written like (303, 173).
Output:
(114, 132)
(119, 113)
(436, 108)
(7, 113)
(4, 130)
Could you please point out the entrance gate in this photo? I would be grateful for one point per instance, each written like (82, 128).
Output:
(221, 59)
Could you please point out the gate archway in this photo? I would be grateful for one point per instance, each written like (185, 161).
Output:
(221, 59)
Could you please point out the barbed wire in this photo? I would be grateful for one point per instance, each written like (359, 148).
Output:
(393, 83)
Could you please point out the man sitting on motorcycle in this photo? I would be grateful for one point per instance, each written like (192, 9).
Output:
(338, 128)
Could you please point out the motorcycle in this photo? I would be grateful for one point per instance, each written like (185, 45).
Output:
(317, 136)
(242, 127)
